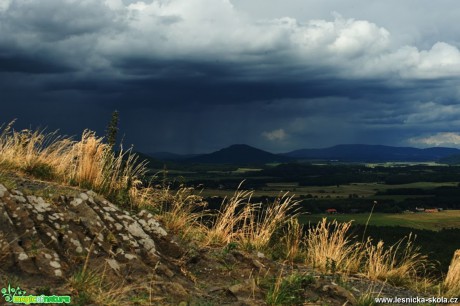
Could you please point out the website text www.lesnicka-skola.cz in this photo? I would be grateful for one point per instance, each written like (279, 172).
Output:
(417, 300)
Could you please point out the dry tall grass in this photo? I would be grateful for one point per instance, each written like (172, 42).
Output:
(452, 281)
(33, 150)
(293, 242)
(330, 249)
(251, 225)
(4, 248)
(261, 223)
(396, 264)
(88, 163)
(223, 229)
(181, 211)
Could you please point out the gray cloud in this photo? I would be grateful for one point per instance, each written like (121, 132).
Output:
(200, 74)
(50, 20)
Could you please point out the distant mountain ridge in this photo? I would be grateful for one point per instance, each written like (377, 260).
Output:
(239, 154)
(374, 153)
(245, 154)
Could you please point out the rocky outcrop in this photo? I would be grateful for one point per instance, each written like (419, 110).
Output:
(50, 239)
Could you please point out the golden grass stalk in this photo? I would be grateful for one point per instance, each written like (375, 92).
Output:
(181, 211)
(292, 240)
(4, 248)
(330, 249)
(27, 150)
(143, 197)
(260, 223)
(249, 224)
(452, 281)
(95, 164)
(378, 261)
(89, 163)
(397, 264)
(224, 229)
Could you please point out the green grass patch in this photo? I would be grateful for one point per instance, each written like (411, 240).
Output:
(288, 290)
(428, 221)
(361, 190)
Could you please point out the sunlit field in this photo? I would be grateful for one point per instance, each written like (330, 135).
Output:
(429, 221)
(341, 191)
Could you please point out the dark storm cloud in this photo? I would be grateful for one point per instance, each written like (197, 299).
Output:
(194, 75)
(205, 92)
(28, 64)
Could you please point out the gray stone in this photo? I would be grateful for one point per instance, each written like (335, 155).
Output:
(3, 191)
(57, 237)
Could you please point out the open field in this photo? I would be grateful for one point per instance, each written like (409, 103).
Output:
(404, 164)
(341, 191)
(361, 189)
(428, 221)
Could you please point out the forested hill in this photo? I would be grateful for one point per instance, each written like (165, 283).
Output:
(239, 154)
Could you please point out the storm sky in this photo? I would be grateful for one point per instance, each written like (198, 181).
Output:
(193, 76)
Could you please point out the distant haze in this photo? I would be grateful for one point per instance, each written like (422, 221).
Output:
(243, 154)
(193, 76)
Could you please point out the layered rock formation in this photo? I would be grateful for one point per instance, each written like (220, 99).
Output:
(50, 239)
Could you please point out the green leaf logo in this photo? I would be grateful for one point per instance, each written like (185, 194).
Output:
(10, 292)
